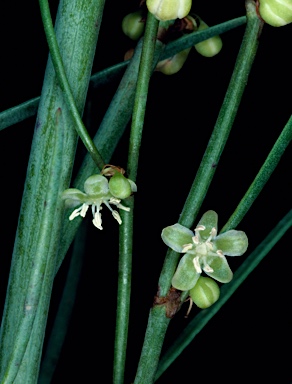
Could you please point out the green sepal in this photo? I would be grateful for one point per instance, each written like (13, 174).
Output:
(185, 276)
(96, 185)
(232, 243)
(176, 236)
(119, 186)
(210, 221)
(73, 197)
(205, 293)
(222, 271)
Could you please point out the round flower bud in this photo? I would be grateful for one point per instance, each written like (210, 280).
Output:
(276, 12)
(169, 9)
(96, 185)
(133, 25)
(205, 293)
(119, 186)
(209, 47)
(173, 64)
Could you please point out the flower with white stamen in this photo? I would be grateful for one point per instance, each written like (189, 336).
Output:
(204, 251)
(98, 192)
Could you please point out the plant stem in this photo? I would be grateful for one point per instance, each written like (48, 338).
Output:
(144, 75)
(29, 108)
(146, 372)
(62, 319)
(64, 84)
(124, 293)
(261, 178)
(126, 231)
(28, 252)
(227, 290)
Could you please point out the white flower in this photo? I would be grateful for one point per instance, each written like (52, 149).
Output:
(97, 192)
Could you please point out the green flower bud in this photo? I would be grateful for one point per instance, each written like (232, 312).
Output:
(209, 47)
(276, 12)
(169, 9)
(133, 25)
(173, 64)
(205, 293)
(119, 186)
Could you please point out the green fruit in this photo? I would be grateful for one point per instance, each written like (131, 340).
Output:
(133, 25)
(119, 186)
(205, 293)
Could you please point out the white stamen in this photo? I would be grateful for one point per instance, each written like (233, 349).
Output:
(195, 239)
(207, 268)
(213, 234)
(81, 211)
(187, 247)
(117, 217)
(196, 263)
(220, 253)
(209, 245)
(123, 207)
(84, 210)
(97, 220)
(200, 228)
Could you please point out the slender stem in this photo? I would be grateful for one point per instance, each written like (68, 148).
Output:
(64, 84)
(148, 363)
(141, 94)
(124, 293)
(218, 138)
(66, 305)
(262, 177)
(227, 290)
(126, 231)
(27, 109)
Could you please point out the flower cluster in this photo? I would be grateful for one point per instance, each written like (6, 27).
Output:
(204, 251)
(99, 190)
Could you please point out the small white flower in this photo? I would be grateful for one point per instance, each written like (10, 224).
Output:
(97, 192)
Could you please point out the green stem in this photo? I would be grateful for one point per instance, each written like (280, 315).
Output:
(27, 254)
(261, 178)
(218, 138)
(27, 109)
(124, 293)
(144, 75)
(65, 309)
(246, 55)
(126, 231)
(42, 266)
(227, 290)
(64, 84)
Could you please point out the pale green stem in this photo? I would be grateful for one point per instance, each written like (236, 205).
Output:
(64, 84)
(30, 259)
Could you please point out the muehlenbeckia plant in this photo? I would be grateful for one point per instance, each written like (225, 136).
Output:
(99, 190)
(204, 251)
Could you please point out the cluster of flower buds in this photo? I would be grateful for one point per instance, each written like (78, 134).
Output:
(204, 252)
(99, 190)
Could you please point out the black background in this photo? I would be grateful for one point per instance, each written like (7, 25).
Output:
(249, 339)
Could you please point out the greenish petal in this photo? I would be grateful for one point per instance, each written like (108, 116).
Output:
(176, 236)
(96, 185)
(208, 220)
(185, 276)
(232, 243)
(222, 271)
(73, 197)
